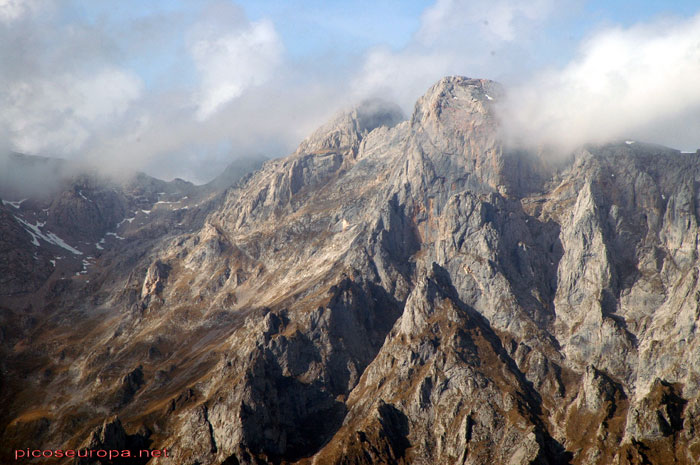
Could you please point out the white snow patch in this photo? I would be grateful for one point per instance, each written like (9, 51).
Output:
(629, 142)
(49, 237)
(13, 203)
(53, 262)
(98, 246)
(115, 235)
(488, 96)
(35, 241)
(147, 212)
(80, 193)
(86, 263)
(61, 243)
(125, 220)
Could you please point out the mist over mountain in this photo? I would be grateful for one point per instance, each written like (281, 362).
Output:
(399, 289)
(177, 89)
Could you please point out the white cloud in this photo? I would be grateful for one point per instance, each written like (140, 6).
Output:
(12, 10)
(138, 92)
(66, 90)
(58, 114)
(401, 77)
(231, 62)
(60, 84)
(162, 138)
(625, 83)
(478, 38)
(499, 20)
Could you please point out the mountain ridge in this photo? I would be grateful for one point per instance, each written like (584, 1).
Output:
(410, 293)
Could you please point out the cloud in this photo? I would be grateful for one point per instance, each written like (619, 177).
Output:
(161, 134)
(180, 89)
(68, 87)
(229, 60)
(91, 87)
(497, 20)
(478, 38)
(60, 83)
(13, 10)
(60, 113)
(638, 82)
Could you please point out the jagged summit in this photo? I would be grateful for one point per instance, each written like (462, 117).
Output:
(348, 127)
(455, 93)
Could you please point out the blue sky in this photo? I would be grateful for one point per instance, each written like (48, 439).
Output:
(627, 12)
(317, 26)
(313, 29)
(180, 87)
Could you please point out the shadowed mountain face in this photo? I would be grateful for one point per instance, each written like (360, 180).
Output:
(395, 291)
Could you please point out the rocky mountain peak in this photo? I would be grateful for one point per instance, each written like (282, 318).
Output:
(454, 129)
(347, 128)
(454, 99)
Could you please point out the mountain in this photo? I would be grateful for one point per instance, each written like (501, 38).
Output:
(235, 172)
(395, 291)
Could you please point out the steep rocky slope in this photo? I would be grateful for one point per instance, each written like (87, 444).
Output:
(395, 291)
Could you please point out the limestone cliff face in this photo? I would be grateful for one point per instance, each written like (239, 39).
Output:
(392, 292)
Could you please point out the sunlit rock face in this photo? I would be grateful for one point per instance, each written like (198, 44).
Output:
(404, 291)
